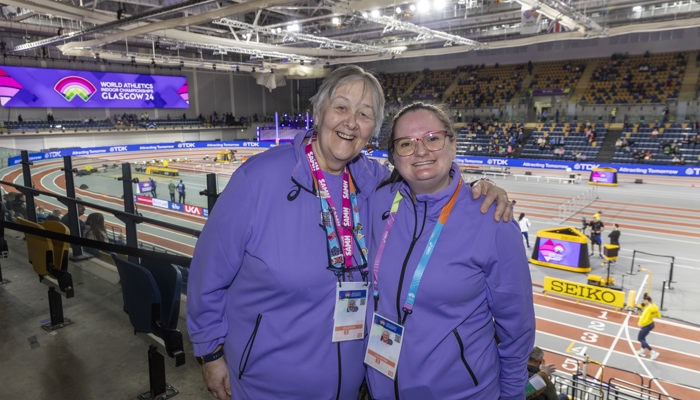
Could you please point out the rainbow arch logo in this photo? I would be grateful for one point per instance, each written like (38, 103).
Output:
(72, 86)
(184, 93)
(8, 87)
(552, 251)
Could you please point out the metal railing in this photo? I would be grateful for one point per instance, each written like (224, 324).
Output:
(127, 243)
(575, 204)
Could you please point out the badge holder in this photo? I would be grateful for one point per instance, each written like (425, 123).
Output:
(350, 311)
(384, 346)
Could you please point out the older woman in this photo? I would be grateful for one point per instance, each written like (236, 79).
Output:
(284, 252)
(451, 285)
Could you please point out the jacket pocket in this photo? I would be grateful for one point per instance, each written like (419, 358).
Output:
(464, 360)
(243, 362)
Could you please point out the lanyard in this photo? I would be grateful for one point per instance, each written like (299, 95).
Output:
(427, 253)
(348, 227)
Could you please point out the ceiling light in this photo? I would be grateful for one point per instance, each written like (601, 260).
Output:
(374, 13)
(335, 21)
(293, 27)
(398, 10)
(423, 6)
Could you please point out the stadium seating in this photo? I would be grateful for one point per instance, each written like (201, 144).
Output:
(151, 294)
(49, 257)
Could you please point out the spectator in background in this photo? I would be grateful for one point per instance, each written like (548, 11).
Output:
(171, 190)
(597, 227)
(524, 223)
(7, 200)
(81, 224)
(614, 235)
(54, 216)
(17, 204)
(41, 214)
(536, 366)
(95, 230)
(153, 187)
(95, 227)
(181, 192)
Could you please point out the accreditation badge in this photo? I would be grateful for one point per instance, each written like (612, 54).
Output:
(350, 311)
(384, 345)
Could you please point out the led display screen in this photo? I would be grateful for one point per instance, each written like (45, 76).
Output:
(61, 88)
(603, 176)
(560, 252)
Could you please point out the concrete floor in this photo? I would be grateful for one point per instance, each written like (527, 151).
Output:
(96, 357)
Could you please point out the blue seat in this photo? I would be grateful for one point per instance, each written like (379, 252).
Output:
(141, 295)
(169, 280)
(151, 292)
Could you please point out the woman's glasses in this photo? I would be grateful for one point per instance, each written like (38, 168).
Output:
(432, 140)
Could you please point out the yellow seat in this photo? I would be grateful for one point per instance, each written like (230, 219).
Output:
(39, 249)
(43, 255)
(60, 247)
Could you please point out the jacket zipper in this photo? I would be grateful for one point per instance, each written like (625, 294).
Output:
(243, 362)
(414, 240)
(396, 384)
(340, 372)
(464, 359)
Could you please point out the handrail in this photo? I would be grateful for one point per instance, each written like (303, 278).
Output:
(176, 259)
(641, 389)
(117, 213)
(133, 251)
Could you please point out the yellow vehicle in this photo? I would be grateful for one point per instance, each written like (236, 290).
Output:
(226, 156)
(162, 171)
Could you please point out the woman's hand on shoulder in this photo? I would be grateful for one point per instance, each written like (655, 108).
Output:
(493, 193)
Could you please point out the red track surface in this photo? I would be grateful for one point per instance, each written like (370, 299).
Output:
(588, 332)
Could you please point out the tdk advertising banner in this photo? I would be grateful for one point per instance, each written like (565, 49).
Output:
(61, 88)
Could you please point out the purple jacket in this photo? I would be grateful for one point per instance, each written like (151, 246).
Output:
(258, 282)
(476, 287)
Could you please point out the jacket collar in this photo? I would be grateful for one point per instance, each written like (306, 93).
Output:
(435, 201)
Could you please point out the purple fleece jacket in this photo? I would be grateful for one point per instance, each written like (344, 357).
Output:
(258, 282)
(475, 288)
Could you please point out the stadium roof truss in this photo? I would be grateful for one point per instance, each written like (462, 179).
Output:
(284, 34)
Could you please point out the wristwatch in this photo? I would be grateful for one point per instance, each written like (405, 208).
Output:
(211, 356)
